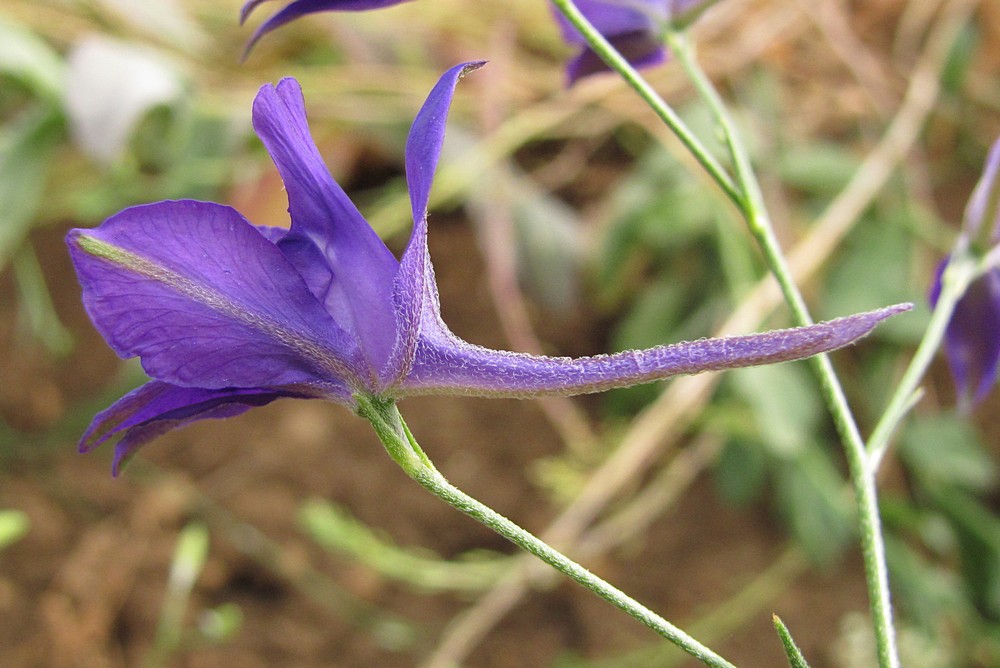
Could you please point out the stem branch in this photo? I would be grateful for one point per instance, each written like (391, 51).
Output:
(862, 472)
(614, 60)
(402, 447)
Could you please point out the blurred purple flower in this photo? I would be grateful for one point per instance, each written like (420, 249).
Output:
(297, 8)
(226, 316)
(633, 27)
(972, 340)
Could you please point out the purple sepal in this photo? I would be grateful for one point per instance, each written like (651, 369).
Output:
(631, 28)
(205, 300)
(641, 49)
(156, 408)
(299, 8)
(415, 288)
(972, 339)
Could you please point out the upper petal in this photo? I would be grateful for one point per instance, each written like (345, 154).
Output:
(423, 149)
(205, 300)
(346, 264)
(446, 364)
(156, 408)
(299, 8)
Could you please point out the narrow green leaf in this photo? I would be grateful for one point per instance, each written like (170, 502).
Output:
(26, 151)
(786, 406)
(334, 528)
(810, 496)
(795, 658)
(946, 449)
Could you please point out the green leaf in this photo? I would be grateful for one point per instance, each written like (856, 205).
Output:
(786, 408)
(959, 63)
(978, 532)
(549, 244)
(26, 151)
(810, 497)
(741, 471)
(29, 60)
(36, 303)
(945, 449)
(653, 210)
(548, 248)
(872, 271)
(924, 591)
(817, 168)
(334, 528)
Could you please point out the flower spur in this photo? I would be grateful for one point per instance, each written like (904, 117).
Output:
(225, 315)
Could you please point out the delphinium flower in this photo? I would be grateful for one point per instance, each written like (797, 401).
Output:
(225, 315)
(297, 8)
(633, 27)
(972, 340)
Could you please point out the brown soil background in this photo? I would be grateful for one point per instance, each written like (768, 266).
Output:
(84, 587)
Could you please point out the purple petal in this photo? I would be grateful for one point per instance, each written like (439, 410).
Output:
(206, 301)
(611, 19)
(423, 145)
(345, 263)
(631, 29)
(640, 49)
(423, 149)
(299, 8)
(156, 408)
(449, 365)
(972, 340)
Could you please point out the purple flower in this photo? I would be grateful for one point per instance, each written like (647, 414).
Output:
(226, 316)
(633, 27)
(297, 8)
(972, 339)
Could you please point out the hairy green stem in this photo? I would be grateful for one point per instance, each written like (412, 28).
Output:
(861, 470)
(961, 271)
(403, 448)
(599, 45)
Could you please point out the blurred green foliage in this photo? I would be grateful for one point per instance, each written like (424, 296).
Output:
(13, 525)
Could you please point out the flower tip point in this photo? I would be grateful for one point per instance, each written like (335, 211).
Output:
(247, 9)
(878, 315)
(473, 66)
(884, 313)
(248, 48)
